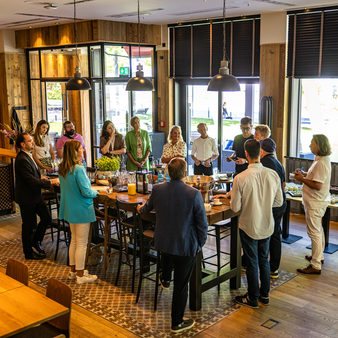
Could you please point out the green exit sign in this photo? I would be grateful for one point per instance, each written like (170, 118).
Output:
(124, 71)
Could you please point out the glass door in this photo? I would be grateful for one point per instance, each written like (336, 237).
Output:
(202, 107)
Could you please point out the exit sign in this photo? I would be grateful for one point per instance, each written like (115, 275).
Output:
(124, 71)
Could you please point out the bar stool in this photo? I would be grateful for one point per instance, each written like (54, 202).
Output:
(147, 235)
(128, 228)
(219, 230)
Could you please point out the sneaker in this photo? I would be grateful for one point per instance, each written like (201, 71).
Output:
(245, 300)
(86, 279)
(274, 274)
(310, 270)
(72, 275)
(309, 258)
(264, 300)
(164, 283)
(185, 325)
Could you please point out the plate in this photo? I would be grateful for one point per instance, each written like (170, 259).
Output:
(217, 204)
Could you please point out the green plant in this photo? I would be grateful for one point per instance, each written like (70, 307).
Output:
(105, 163)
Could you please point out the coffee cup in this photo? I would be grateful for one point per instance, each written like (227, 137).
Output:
(217, 201)
(291, 176)
(207, 207)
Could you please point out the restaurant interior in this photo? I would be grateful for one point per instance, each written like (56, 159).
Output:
(76, 61)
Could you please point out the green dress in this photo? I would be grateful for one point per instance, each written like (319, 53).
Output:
(131, 145)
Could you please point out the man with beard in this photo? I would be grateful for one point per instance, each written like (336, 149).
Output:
(69, 133)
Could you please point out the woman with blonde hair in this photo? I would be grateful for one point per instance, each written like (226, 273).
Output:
(175, 147)
(316, 197)
(43, 153)
(138, 146)
(76, 207)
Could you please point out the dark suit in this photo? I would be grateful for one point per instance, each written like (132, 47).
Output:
(28, 184)
(181, 229)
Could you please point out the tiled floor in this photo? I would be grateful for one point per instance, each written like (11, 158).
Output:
(117, 304)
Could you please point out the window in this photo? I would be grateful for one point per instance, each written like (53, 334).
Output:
(318, 114)
(116, 58)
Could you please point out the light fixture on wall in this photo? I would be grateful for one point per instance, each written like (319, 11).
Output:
(223, 81)
(77, 82)
(139, 82)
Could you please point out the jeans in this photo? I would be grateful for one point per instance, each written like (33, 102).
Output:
(202, 170)
(182, 266)
(256, 252)
(275, 241)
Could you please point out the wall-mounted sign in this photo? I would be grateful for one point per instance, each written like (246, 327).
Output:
(124, 71)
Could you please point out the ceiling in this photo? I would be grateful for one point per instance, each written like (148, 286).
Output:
(16, 14)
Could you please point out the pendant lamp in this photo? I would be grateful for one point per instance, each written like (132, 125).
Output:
(77, 82)
(139, 82)
(223, 81)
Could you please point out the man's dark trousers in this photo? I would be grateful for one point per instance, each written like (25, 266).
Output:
(182, 266)
(29, 224)
(202, 170)
(275, 240)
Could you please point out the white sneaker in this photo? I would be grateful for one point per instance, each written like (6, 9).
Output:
(86, 279)
(72, 275)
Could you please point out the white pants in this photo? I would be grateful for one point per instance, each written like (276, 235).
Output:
(315, 231)
(78, 244)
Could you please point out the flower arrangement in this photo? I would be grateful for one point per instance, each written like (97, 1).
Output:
(105, 163)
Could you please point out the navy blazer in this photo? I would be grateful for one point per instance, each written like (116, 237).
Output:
(28, 182)
(181, 222)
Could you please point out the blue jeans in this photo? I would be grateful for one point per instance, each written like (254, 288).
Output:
(256, 252)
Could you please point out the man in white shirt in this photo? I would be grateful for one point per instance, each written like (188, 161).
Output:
(203, 152)
(255, 191)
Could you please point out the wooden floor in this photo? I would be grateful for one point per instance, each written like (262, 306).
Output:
(305, 306)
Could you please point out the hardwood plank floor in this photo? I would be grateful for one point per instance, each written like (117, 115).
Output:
(305, 306)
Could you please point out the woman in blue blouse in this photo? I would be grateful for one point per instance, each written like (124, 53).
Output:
(76, 207)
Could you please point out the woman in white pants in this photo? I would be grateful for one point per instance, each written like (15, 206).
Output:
(316, 197)
(76, 207)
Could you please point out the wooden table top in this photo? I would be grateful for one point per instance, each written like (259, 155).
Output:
(299, 200)
(7, 283)
(22, 308)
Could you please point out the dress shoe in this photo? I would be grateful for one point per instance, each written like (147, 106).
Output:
(309, 258)
(34, 256)
(38, 248)
(310, 270)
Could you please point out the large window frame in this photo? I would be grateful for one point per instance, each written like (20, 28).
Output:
(103, 80)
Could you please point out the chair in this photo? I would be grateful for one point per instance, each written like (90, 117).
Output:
(128, 228)
(51, 199)
(61, 293)
(219, 230)
(106, 216)
(62, 226)
(147, 235)
(17, 270)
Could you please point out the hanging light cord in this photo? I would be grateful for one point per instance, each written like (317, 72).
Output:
(138, 29)
(224, 53)
(75, 35)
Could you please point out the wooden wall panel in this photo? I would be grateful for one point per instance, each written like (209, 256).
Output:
(273, 83)
(4, 116)
(87, 31)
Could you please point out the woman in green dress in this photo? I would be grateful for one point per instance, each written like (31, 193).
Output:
(138, 146)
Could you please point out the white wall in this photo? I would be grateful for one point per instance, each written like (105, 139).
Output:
(7, 42)
(273, 28)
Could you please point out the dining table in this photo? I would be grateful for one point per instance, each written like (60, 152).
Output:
(22, 308)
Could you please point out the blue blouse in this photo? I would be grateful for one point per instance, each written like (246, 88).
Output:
(76, 205)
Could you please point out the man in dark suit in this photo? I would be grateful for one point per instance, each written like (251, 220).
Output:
(28, 184)
(180, 231)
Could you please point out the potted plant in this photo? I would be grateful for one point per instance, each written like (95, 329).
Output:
(107, 166)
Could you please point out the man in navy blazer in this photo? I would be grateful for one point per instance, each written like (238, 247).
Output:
(28, 184)
(180, 231)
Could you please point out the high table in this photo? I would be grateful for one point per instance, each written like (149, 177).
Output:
(287, 238)
(22, 308)
(202, 279)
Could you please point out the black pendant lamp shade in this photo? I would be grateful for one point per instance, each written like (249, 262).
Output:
(77, 82)
(139, 82)
(223, 81)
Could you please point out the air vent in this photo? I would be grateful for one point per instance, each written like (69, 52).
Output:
(200, 11)
(274, 2)
(129, 14)
(57, 17)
